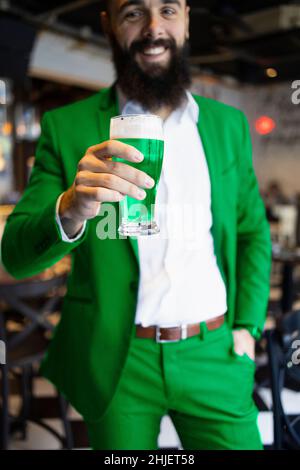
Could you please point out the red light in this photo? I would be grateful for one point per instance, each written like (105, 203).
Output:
(265, 125)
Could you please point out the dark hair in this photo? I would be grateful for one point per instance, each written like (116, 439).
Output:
(105, 4)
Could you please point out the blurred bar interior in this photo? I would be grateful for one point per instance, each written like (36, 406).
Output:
(246, 54)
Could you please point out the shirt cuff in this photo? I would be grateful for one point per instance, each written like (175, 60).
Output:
(64, 236)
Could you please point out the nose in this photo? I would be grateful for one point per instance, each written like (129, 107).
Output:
(153, 28)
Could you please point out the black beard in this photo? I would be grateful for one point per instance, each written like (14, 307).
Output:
(159, 86)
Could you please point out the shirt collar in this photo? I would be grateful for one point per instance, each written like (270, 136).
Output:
(189, 107)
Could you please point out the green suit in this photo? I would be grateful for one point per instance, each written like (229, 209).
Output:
(90, 343)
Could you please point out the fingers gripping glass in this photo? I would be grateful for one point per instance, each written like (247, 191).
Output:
(144, 132)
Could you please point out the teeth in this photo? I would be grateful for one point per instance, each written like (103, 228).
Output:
(154, 51)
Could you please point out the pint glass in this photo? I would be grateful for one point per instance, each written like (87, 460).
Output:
(145, 132)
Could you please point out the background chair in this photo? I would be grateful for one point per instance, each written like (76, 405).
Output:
(283, 348)
(27, 306)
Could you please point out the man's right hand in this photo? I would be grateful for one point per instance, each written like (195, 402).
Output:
(99, 179)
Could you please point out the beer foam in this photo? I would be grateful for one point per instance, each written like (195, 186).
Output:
(136, 126)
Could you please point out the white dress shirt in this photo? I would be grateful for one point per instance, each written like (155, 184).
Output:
(179, 282)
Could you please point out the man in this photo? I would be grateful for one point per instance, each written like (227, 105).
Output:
(111, 353)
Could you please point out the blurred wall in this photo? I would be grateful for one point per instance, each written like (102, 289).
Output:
(276, 155)
(70, 61)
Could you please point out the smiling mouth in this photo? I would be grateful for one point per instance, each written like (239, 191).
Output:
(154, 51)
(158, 50)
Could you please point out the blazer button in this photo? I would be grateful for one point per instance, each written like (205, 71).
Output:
(133, 286)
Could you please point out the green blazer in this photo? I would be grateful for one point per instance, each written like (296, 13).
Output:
(89, 346)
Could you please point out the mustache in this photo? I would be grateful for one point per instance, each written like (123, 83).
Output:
(139, 45)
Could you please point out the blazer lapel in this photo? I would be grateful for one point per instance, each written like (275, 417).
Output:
(109, 107)
(207, 127)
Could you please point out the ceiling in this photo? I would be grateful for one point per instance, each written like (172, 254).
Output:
(235, 38)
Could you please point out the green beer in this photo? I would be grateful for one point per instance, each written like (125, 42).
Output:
(138, 216)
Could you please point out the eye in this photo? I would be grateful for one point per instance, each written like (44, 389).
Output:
(167, 11)
(133, 14)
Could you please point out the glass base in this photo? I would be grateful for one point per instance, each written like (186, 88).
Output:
(149, 229)
(136, 229)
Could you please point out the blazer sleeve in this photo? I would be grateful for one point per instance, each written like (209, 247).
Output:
(253, 262)
(32, 240)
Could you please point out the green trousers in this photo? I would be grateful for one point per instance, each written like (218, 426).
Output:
(200, 382)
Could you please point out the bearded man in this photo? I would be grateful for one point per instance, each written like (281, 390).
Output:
(150, 326)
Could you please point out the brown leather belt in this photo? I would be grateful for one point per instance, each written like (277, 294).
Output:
(176, 333)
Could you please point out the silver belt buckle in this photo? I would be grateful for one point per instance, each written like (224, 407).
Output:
(182, 336)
